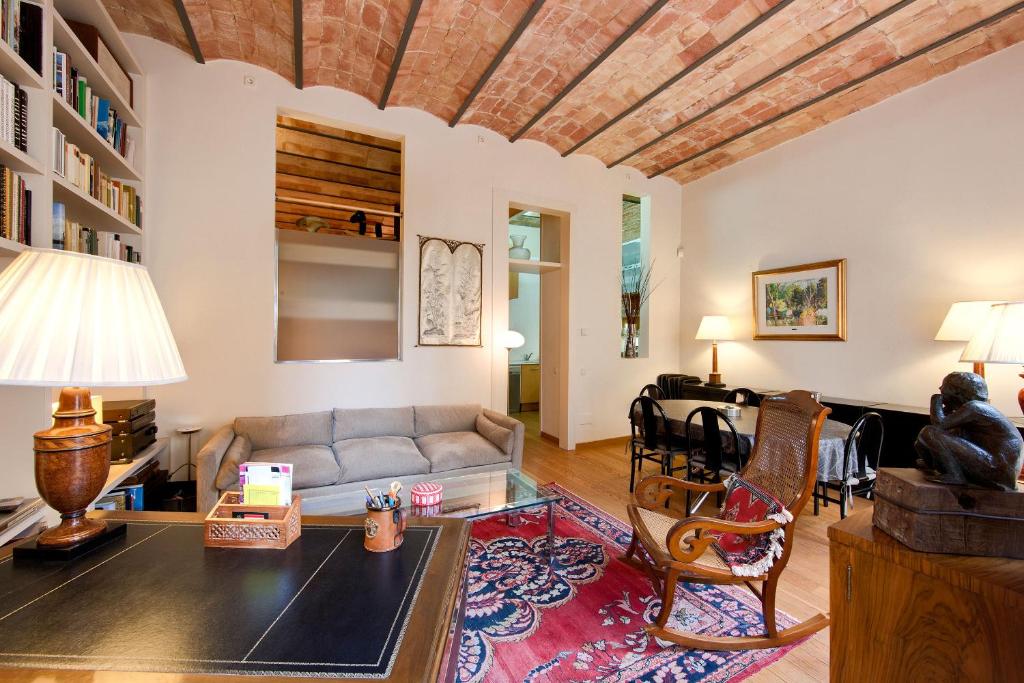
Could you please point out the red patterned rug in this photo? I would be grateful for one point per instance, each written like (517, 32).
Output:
(583, 620)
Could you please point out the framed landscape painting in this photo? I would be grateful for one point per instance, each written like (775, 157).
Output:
(806, 302)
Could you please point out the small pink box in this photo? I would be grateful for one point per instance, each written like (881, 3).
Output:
(426, 493)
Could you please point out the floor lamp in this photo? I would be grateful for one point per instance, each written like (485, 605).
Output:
(76, 321)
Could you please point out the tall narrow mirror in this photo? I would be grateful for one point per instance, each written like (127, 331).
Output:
(338, 221)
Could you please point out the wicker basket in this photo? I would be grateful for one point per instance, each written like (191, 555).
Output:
(282, 526)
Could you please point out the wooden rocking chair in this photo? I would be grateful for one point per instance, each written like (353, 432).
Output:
(783, 462)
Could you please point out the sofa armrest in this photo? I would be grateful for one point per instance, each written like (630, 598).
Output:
(518, 429)
(207, 464)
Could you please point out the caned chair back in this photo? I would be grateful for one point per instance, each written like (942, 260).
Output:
(784, 460)
(866, 437)
(654, 391)
(716, 454)
(648, 422)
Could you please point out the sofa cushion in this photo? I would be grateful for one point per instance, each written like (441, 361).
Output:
(500, 436)
(377, 457)
(314, 465)
(360, 423)
(238, 452)
(455, 450)
(286, 430)
(450, 418)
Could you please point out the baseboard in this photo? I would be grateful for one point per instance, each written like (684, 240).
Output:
(529, 407)
(604, 442)
(549, 437)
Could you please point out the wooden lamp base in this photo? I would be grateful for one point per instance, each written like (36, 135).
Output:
(714, 377)
(72, 464)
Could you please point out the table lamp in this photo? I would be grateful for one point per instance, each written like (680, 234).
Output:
(716, 328)
(1000, 339)
(963, 319)
(72, 320)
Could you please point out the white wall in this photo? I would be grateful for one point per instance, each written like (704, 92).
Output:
(923, 194)
(210, 249)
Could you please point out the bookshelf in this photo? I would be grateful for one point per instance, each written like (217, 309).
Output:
(47, 109)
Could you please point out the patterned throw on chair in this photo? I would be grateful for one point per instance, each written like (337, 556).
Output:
(584, 619)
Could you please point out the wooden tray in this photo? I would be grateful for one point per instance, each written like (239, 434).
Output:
(283, 525)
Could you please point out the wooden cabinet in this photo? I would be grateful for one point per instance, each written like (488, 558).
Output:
(529, 388)
(901, 615)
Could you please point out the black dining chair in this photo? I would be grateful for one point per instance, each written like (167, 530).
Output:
(866, 436)
(709, 458)
(654, 391)
(746, 397)
(650, 437)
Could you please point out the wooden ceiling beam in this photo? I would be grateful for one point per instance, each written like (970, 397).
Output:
(316, 169)
(581, 76)
(352, 154)
(190, 34)
(327, 188)
(796, 63)
(403, 43)
(998, 16)
(297, 41)
(701, 61)
(340, 136)
(524, 21)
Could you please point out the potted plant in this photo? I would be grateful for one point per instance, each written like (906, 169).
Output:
(636, 290)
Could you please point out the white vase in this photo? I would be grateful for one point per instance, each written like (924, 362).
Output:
(518, 251)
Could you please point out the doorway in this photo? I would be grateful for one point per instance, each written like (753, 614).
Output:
(536, 370)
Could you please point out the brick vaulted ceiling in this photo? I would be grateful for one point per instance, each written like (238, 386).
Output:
(680, 88)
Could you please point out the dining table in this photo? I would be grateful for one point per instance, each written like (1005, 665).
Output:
(831, 444)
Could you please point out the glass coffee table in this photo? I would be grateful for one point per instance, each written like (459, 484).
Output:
(475, 496)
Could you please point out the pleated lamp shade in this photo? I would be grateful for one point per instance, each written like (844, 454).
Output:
(69, 319)
(1001, 338)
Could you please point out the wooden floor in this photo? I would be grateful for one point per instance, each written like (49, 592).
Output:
(600, 473)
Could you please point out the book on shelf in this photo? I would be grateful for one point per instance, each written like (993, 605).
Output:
(95, 110)
(22, 29)
(13, 114)
(70, 235)
(15, 207)
(83, 171)
(24, 510)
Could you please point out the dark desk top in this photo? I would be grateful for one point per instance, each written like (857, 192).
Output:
(158, 601)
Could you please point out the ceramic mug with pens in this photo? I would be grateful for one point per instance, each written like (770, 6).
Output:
(385, 520)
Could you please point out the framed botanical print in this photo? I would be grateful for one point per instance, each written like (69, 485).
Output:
(805, 302)
(451, 292)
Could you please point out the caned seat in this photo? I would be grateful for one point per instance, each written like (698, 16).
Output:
(784, 464)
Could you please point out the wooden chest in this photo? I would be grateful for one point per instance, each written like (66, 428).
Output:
(936, 518)
(904, 616)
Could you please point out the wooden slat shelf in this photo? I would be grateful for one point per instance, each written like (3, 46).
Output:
(10, 247)
(79, 132)
(516, 265)
(94, 13)
(66, 41)
(90, 211)
(17, 70)
(16, 160)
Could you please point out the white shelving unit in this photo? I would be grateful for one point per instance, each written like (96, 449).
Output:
(118, 473)
(516, 265)
(46, 110)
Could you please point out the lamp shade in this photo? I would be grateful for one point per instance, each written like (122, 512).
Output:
(715, 328)
(69, 319)
(511, 339)
(963, 319)
(1001, 338)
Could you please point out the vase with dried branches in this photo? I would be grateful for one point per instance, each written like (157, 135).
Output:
(636, 290)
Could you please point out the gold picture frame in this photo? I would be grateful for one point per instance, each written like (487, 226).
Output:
(806, 302)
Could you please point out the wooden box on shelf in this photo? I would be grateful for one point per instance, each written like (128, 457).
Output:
(282, 525)
(936, 518)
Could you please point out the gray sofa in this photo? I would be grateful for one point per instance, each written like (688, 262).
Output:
(338, 451)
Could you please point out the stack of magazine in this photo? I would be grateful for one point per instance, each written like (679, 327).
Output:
(13, 513)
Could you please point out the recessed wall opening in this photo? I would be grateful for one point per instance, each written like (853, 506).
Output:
(537, 287)
(338, 226)
(635, 276)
